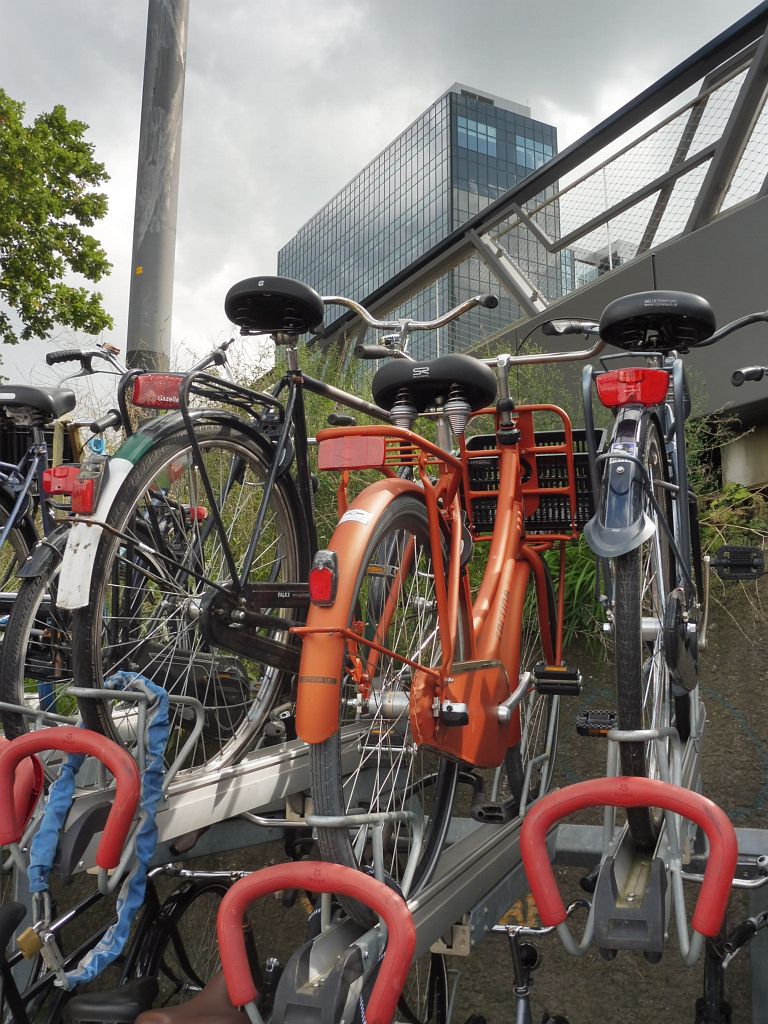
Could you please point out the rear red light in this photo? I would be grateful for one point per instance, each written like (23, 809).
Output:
(86, 489)
(157, 390)
(84, 497)
(323, 578)
(197, 514)
(632, 387)
(60, 479)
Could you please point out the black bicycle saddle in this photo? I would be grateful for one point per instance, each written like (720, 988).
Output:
(274, 305)
(657, 321)
(431, 380)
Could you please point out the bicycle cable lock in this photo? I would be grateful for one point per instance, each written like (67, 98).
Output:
(61, 795)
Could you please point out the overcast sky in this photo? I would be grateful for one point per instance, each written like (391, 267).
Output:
(287, 99)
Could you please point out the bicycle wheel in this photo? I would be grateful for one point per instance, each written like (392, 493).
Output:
(426, 996)
(642, 579)
(539, 713)
(13, 554)
(394, 599)
(180, 949)
(36, 654)
(146, 611)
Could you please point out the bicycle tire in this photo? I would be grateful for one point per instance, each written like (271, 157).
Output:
(36, 653)
(642, 578)
(539, 713)
(425, 774)
(13, 554)
(426, 996)
(179, 948)
(144, 613)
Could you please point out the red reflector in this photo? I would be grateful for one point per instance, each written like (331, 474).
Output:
(157, 390)
(632, 387)
(83, 497)
(321, 586)
(351, 452)
(60, 479)
(197, 514)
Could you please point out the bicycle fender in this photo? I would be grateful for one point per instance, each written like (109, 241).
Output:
(159, 429)
(83, 541)
(621, 523)
(45, 554)
(322, 654)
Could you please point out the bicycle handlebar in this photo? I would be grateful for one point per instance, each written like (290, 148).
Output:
(488, 301)
(323, 878)
(631, 792)
(747, 373)
(75, 741)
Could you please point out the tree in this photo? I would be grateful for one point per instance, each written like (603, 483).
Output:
(48, 194)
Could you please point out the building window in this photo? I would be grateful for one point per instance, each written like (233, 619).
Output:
(477, 136)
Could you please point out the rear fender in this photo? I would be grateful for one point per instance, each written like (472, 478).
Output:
(322, 654)
(621, 523)
(45, 555)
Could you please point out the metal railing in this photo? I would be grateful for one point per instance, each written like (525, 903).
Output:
(642, 177)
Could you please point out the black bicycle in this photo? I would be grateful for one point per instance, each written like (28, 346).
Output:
(205, 533)
(646, 529)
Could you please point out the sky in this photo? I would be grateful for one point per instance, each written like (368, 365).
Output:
(287, 99)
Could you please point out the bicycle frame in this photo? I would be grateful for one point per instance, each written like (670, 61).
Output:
(480, 681)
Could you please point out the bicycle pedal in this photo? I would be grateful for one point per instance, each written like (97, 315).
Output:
(737, 563)
(494, 812)
(557, 680)
(596, 723)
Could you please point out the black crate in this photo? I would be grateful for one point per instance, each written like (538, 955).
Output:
(545, 513)
(15, 441)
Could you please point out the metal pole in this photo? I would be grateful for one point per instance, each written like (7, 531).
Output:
(157, 186)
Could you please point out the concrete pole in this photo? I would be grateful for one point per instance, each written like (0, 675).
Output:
(157, 186)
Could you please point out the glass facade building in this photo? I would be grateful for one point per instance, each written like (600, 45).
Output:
(460, 155)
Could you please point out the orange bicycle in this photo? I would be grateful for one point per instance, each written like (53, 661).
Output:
(420, 665)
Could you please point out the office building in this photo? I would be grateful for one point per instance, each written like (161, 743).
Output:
(461, 154)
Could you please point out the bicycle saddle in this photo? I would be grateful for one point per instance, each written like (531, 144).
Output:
(274, 305)
(427, 382)
(658, 321)
(210, 1006)
(115, 1006)
(47, 403)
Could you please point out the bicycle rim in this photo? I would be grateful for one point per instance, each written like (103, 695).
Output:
(145, 611)
(36, 654)
(397, 605)
(539, 713)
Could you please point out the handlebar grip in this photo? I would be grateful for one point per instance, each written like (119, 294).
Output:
(338, 419)
(109, 419)
(75, 741)
(740, 935)
(747, 373)
(554, 328)
(373, 352)
(631, 792)
(489, 301)
(318, 876)
(64, 355)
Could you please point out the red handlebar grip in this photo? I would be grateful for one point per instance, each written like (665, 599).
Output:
(629, 791)
(317, 876)
(76, 741)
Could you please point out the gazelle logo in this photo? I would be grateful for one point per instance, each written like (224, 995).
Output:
(421, 371)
